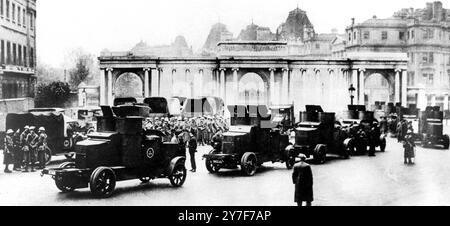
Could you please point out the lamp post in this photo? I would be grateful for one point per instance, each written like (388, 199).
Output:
(351, 91)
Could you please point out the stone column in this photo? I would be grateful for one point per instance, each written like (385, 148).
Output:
(235, 85)
(355, 82)
(110, 100)
(397, 86)
(198, 83)
(272, 85)
(284, 97)
(223, 85)
(362, 87)
(292, 80)
(433, 100)
(155, 82)
(404, 88)
(146, 82)
(446, 106)
(102, 87)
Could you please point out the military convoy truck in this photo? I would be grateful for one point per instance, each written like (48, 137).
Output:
(316, 135)
(251, 141)
(431, 128)
(119, 150)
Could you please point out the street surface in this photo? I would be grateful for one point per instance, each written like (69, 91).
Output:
(381, 180)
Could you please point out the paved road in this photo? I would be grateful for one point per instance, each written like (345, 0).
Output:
(381, 180)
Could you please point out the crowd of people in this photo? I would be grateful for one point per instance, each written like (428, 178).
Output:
(24, 149)
(189, 132)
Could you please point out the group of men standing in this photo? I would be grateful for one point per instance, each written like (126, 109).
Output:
(23, 149)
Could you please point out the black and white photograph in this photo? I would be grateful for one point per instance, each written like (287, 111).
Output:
(225, 103)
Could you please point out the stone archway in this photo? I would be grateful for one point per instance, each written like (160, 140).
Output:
(378, 91)
(129, 85)
(252, 90)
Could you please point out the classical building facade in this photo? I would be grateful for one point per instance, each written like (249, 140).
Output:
(17, 55)
(249, 72)
(422, 34)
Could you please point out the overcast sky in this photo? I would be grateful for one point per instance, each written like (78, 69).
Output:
(118, 25)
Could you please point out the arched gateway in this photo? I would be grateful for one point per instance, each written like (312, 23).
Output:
(277, 78)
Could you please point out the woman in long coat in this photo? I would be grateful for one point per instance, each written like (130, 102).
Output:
(409, 147)
(303, 180)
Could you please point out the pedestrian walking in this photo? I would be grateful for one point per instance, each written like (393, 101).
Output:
(192, 150)
(303, 179)
(8, 158)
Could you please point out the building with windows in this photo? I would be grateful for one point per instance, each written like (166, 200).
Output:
(422, 34)
(17, 54)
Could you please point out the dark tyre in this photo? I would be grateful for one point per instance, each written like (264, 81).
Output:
(48, 155)
(69, 155)
(348, 148)
(249, 164)
(383, 144)
(178, 176)
(446, 141)
(320, 154)
(103, 182)
(290, 162)
(58, 180)
(145, 179)
(211, 167)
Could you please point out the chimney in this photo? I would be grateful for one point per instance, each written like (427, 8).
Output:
(353, 21)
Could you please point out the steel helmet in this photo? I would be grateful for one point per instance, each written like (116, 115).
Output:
(10, 131)
(42, 129)
(32, 128)
(26, 127)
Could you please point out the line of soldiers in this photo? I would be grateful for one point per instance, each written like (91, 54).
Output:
(24, 149)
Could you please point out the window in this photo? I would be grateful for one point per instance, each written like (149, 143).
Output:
(2, 52)
(411, 57)
(7, 9)
(24, 20)
(412, 34)
(19, 61)
(31, 22)
(8, 53)
(448, 60)
(13, 7)
(354, 35)
(25, 56)
(14, 54)
(349, 36)
(18, 16)
(366, 35)
(411, 78)
(401, 35)
(317, 46)
(384, 35)
(32, 58)
(428, 34)
(428, 58)
(1, 8)
(429, 78)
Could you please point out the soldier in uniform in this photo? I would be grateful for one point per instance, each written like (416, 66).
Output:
(29, 149)
(192, 150)
(18, 155)
(8, 158)
(383, 125)
(374, 136)
(41, 145)
(303, 179)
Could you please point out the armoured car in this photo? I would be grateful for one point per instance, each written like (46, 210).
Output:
(250, 142)
(118, 153)
(431, 128)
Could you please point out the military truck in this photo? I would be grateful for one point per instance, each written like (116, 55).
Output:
(120, 150)
(317, 135)
(251, 141)
(363, 129)
(431, 128)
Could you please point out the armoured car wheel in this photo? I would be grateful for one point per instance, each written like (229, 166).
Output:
(320, 154)
(290, 162)
(145, 179)
(178, 176)
(58, 181)
(69, 155)
(48, 155)
(249, 164)
(103, 182)
(446, 142)
(211, 167)
(383, 144)
(348, 148)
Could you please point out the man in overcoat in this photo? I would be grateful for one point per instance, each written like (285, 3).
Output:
(303, 180)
